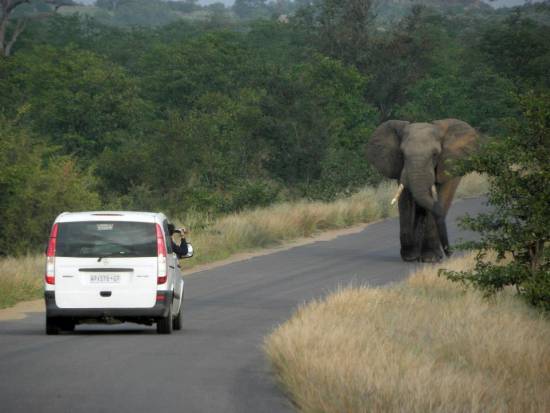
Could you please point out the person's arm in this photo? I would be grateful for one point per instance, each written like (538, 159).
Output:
(180, 250)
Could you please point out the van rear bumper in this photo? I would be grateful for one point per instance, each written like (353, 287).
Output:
(160, 309)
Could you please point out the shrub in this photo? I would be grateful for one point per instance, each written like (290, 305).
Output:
(517, 226)
(35, 187)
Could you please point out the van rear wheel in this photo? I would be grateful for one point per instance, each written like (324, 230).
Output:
(52, 326)
(178, 320)
(164, 324)
(68, 325)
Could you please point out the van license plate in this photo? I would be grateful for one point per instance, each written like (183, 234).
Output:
(105, 278)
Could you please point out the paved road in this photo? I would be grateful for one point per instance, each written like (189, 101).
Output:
(215, 364)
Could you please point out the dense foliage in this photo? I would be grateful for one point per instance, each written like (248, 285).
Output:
(34, 185)
(177, 107)
(517, 227)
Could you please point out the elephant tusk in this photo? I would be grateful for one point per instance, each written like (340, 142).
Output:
(397, 194)
(434, 193)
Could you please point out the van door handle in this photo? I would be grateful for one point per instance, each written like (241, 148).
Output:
(105, 293)
(171, 266)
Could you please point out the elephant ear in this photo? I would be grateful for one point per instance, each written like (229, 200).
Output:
(384, 148)
(458, 141)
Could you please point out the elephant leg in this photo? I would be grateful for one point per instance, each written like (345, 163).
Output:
(408, 215)
(431, 245)
(446, 193)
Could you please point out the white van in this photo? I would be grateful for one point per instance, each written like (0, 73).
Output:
(112, 267)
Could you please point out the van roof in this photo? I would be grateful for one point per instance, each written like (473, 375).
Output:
(110, 216)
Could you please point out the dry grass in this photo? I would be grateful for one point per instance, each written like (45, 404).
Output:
(21, 278)
(424, 345)
(472, 185)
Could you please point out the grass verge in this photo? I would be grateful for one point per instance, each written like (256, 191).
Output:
(424, 345)
(21, 278)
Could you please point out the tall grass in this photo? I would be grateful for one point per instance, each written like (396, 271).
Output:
(424, 345)
(21, 278)
(473, 184)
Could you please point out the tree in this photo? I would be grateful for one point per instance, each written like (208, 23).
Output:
(176, 75)
(250, 9)
(397, 59)
(317, 121)
(341, 28)
(108, 4)
(35, 186)
(458, 86)
(143, 13)
(10, 31)
(517, 228)
(186, 6)
(519, 48)
(77, 99)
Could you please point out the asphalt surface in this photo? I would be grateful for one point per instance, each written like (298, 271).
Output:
(215, 364)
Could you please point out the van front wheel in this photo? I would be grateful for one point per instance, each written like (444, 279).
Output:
(164, 324)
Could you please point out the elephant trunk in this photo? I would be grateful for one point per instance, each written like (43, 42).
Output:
(420, 186)
(424, 196)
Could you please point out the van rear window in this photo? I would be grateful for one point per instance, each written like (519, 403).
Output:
(106, 239)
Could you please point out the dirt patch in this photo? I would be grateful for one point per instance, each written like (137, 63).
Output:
(20, 310)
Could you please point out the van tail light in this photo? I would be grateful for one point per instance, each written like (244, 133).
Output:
(161, 257)
(50, 256)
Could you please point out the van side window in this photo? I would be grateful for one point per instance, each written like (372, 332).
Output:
(168, 238)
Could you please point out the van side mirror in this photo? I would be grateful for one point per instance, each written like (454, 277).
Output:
(189, 251)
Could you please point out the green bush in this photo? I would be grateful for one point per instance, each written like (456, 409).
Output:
(252, 193)
(35, 187)
(517, 226)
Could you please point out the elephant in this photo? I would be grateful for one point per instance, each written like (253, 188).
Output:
(418, 155)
